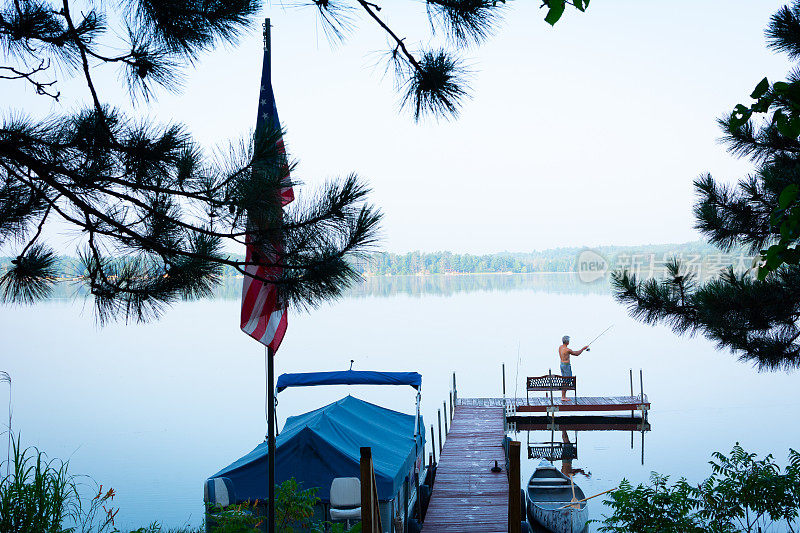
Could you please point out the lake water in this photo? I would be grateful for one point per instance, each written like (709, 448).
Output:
(154, 409)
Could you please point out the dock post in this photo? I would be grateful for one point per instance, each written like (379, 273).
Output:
(439, 416)
(641, 385)
(455, 390)
(370, 510)
(514, 503)
(433, 445)
(504, 381)
(631, 373)
(451, 408)
(444, 406)
(641, 406)
(630, 370)
(642, 445)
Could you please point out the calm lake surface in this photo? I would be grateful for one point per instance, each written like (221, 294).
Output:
(152, 410)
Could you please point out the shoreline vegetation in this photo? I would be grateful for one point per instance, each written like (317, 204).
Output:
(744, 493)
(39, 494)
(562, 260)
(447, 273)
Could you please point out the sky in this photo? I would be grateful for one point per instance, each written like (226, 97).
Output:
(586, 134)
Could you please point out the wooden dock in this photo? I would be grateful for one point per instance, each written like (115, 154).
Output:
(581, 403)
(467, 495)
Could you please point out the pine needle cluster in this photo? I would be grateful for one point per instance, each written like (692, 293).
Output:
(433, 80)
(755, 313)
(158, 216)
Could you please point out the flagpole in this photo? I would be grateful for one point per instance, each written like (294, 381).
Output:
(271, 439)
(270, 366)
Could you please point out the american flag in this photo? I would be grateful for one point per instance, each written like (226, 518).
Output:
(263, 316)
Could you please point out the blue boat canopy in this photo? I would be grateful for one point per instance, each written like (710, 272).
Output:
(349, 377)
(323, 444)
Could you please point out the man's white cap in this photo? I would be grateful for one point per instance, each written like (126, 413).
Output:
(565, 339)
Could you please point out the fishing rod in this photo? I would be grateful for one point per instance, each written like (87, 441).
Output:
(603, 333)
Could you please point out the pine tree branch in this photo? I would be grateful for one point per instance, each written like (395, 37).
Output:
(757, 320)
(38, 230)
(371, 9)
(42, 88)
(119, 228)
(143, 194)
(84, 60)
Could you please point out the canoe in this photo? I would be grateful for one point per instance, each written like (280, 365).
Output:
(549, 489)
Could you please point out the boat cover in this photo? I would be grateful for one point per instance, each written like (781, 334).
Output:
(349, 377)
(323, 444)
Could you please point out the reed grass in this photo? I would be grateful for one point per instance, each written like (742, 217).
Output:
(39, 495)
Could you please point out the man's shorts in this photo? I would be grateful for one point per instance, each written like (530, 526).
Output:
(566, 369)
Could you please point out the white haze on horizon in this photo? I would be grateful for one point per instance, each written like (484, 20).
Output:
(586, 134)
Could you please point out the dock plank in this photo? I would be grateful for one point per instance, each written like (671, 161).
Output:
(467, 496)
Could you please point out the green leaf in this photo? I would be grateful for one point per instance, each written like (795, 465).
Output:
(791, 256)
(785, 230)
(579, 5)
(793, 91)
(776, 217)
(788, 195)
(788, 127)
(760, 90)
(780, 87)
(556, 10)
(740, 116)
(763, 104)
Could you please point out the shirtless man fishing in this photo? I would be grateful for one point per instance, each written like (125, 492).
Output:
(566, 368)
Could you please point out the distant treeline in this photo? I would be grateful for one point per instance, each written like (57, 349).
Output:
(552, 260)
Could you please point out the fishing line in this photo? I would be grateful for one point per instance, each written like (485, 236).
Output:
(516, 377)
(603, 333)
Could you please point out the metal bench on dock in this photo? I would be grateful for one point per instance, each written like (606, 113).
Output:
(552, 383)
(549, 383)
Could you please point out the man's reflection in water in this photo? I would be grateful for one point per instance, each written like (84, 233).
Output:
(568, 451)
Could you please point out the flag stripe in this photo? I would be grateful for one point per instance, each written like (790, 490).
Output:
(263, 317)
